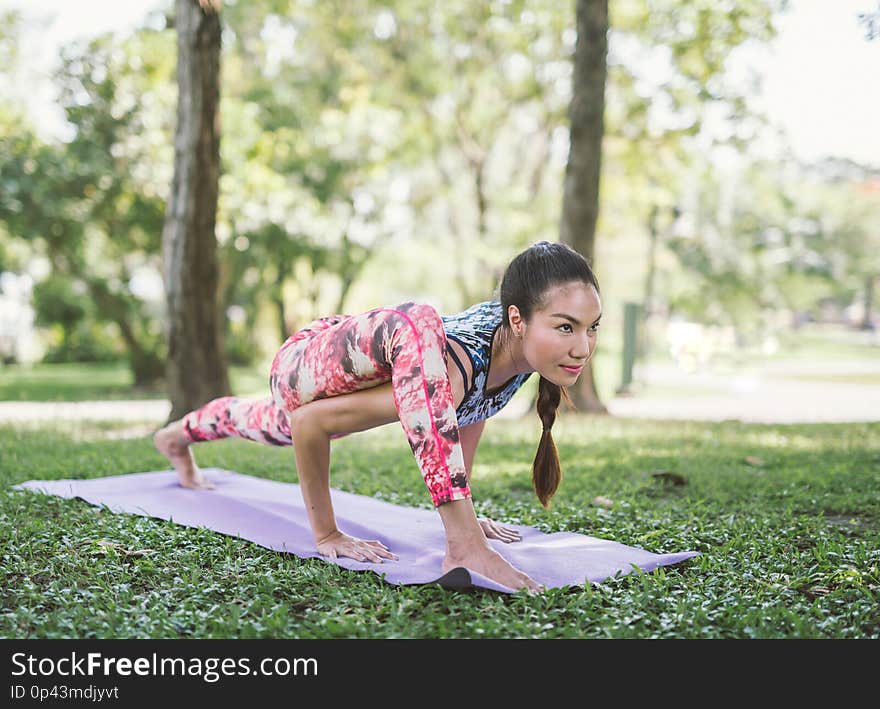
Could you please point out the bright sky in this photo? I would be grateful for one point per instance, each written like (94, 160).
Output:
(821, 80)
(820, 75)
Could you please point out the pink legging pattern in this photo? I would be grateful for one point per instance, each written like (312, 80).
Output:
(341, 354)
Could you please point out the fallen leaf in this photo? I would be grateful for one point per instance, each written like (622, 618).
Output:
(104, 546)
(669, 478)
(600, 501)
(754, 460)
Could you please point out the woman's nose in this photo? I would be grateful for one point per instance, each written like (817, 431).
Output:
(582, 351)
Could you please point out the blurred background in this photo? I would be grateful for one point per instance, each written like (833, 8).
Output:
(374, 152)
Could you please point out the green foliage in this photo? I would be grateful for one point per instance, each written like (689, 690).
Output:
(78, 334)
(57, 301)
(88, 341)
(82, 208)
(790, 240)
(689, 44)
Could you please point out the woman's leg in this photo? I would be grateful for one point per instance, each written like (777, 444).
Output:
(229, 416)
(260, 420)
(255, 420)
(404, 344)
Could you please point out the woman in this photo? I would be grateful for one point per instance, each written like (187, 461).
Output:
(440, 377)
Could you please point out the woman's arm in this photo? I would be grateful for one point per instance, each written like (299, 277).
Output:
(470, 438)
(311, 448)
(311, 427)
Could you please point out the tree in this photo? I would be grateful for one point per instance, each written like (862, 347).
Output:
(309, 161)
(81, 207)
(580, 203)
(480, 86)
(84, 205)
(781, 238)
(196, 368)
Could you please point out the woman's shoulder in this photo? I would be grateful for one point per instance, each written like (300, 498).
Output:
(474, 328)
(486, 309)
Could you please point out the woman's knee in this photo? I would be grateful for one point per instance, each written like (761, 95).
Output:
(301, 421)
(422, 316)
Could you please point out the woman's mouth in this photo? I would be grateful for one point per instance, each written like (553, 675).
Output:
(572, 370)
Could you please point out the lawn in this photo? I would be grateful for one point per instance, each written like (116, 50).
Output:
(787, 519)
(111, 381)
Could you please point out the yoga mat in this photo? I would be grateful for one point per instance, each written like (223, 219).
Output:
(272, 515)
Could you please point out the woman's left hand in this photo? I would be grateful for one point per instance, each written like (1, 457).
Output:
(493, 530)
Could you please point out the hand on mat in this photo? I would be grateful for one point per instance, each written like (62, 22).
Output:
(340, 544)
(493, 530)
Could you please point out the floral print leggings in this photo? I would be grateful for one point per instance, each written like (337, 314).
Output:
(341, 354)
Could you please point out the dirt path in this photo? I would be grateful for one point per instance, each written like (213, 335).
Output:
(780, 392)
(806, 392)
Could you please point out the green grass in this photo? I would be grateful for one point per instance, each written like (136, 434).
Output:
(789, 546)
(87, 382)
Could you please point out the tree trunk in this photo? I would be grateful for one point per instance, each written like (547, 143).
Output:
(196, 367)
(276, 295)
(145, 364)
(580, 203)
(347, 282)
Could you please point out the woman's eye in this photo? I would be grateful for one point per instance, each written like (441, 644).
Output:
(568, 326)
(594, 328)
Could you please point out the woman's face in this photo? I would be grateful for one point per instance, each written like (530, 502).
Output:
(562, 333)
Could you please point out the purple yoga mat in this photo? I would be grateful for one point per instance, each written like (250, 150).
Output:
(272, 515)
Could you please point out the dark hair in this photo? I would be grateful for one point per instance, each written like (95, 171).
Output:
(525, 284)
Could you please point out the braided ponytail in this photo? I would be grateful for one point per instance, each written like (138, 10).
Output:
(525, 283)
(546, 471)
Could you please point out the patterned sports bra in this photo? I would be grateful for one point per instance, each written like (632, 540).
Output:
(474, 329)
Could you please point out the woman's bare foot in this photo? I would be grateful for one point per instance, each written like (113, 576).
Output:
(466, 545)
(173, 443)
(488, 562)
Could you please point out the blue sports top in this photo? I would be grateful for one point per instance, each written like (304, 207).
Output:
(474, 329)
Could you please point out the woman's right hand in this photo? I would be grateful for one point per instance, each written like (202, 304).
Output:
(338, 544)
